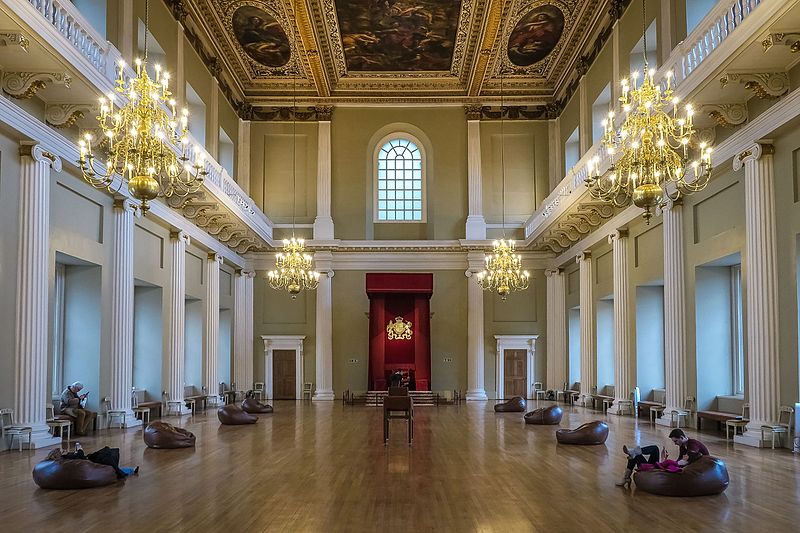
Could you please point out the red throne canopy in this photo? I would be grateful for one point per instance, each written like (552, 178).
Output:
(406, 296)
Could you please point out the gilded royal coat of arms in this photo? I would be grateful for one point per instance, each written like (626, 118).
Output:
(398, 329)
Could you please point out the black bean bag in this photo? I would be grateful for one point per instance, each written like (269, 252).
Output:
(549, 416)
(595, 432)
(70, 474)
(163, 435)
(232, 415)
(704, 477)
(254, 407)
(514, 405)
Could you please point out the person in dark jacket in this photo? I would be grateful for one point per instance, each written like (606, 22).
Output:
(104, 456)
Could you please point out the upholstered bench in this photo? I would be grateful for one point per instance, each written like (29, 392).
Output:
(164, 435)
(253, 406)
(545, 416)
(704, 477)
(69, 474)
(595, 432)
(514, 405)
(232, 415)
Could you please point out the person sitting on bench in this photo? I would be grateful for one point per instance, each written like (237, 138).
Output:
(74, 405)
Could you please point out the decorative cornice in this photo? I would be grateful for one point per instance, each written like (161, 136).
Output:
(538, 112)
(489, 41)
(786, 38)
(324, 112)
(763, 84)
(14, 39)
(23, 85)
(726, 115)
(311, 47)
(473, 111)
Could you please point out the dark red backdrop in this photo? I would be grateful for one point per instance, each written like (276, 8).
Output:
(407, 296)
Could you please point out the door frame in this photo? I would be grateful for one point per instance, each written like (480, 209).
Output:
(515, 342)
(283, 342)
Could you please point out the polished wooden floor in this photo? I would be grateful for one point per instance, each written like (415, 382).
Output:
(312, 467)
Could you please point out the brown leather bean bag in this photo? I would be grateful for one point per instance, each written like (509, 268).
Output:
(549, 416)
(232, 415)
(253, 406)
(514, 405)
(704, 477)
(163, 435)
(69, 474)
(591, 433)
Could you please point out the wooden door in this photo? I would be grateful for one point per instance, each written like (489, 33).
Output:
(515, 373)
(283, 374)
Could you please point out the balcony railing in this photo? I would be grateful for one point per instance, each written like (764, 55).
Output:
(725, 17)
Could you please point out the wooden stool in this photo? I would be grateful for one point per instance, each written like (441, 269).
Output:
(60, 424)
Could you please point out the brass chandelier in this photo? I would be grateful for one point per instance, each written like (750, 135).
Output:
(649, 152)
(142, 138)
(294, 269)
(503, 273)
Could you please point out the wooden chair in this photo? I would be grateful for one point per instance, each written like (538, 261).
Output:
(259, 389)
(657, 410)
(781, 427)
(113, 414)
(563, 392)
(398, 407)
(737, 423)
(538, 391)
(14, 430)
(52, 423)
(686, 412)
(307, 390)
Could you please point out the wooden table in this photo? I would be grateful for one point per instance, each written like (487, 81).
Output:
(199, 398)
(151, 406)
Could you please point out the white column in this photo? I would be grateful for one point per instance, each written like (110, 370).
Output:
(33, 267)
(476, 223)
(556, 329)
(121, 356)
(674, 310)
(761, 280)
(324, 334)
(211, 351)
(587, 324)
(243, 156)
(323, 223)
(475, 336)
(176, 343)
(623, 358)
(243, 330)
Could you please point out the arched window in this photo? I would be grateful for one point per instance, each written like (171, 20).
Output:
(400, 181)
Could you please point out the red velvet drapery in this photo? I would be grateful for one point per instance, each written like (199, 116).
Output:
(407, 296)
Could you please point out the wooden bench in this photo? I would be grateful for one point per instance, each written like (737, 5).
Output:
(602, 399)
(718, 416)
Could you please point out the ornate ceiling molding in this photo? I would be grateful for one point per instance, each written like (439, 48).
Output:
(14, 39)
(24, 85)
(66, 115)
(787, 38)
(764, 85)
(574, 226)
(726, 115)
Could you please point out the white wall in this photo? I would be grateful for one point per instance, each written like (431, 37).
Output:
(193, 334)
(82, 322)
(649, 339)
(574, 371)
(605, 344)
(147, 343)
(225, 345)
(713, 334)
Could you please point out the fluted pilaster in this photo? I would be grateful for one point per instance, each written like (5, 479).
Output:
(324, 334)
(176, 347)
(243, 329)
(623, 357)
(556, 329)
(674, 310)
(33, 266)
(323, 223)
(476, 389)
(121, 317)
(476, 223)
(761, 280)
(211, 350)
(587, 327)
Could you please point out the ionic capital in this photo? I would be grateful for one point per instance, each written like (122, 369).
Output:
(180, 235)
(621, 233)
(753, 153)
(36, 152)
(583, 256)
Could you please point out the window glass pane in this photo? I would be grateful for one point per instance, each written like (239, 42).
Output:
(399, 181)
(381, 215)
(381, 195)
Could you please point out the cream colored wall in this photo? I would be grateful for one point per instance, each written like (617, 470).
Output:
(523, 313)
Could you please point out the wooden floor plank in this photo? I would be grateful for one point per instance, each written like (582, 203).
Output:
(323, 467)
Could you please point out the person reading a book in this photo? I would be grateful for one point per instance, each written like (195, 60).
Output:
(74, 404)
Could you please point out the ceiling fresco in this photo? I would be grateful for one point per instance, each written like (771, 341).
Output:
(397, 51)
(535, 35)
(398, 35)
(261, 36)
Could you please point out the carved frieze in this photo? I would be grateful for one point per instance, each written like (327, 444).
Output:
(14, 39)
(786, 38)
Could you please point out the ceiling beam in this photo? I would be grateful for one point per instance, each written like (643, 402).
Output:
(488, 41)
(305, 26)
